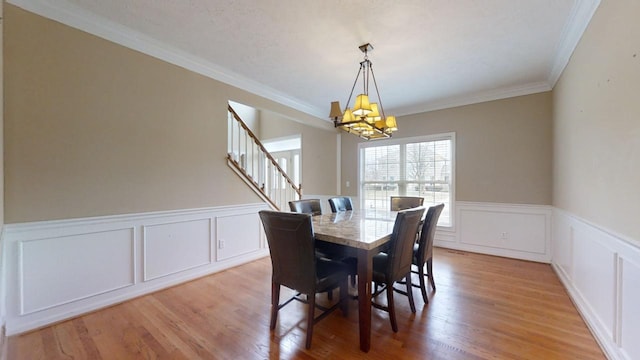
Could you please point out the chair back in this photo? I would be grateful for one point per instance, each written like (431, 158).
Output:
(425, 243)
(403, 237)
(342, 203)
(292, 247)
(405, 202)
(306, 206)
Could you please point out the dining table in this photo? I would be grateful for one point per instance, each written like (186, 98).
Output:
(363, 233)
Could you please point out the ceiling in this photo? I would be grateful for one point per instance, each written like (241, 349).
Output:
(428, 54)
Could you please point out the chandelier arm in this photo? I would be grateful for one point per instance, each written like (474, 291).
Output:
(355, 82)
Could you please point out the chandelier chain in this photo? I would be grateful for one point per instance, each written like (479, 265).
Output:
(354, 86)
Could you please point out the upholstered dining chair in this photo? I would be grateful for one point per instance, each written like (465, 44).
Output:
(423, 250)
(295, 265)
(341, 203)
(405, 202)
(306, 206)
(325, 249)
(395, 263)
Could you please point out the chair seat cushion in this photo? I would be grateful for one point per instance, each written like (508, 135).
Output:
(330, 273)
(379, 266)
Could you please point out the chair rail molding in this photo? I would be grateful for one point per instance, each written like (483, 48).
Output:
(54, 270)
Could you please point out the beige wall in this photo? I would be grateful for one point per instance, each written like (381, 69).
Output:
(93, 128)
(319, 154)
(597, 122)
(503, 149)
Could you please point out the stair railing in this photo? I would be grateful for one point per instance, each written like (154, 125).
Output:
(256, 166)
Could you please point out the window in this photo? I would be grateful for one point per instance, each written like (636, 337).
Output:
(420, 166)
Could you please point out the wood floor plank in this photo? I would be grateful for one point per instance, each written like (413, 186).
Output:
(485, 307)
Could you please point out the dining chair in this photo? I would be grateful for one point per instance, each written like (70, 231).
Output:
(405, 202)
(323, 249)
(306, 206)
(340, 203)
(423, 250)
(395, 263)
(295, 265)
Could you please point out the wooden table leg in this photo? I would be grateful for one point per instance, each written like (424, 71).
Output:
(365, 267)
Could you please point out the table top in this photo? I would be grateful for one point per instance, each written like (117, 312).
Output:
(362, 229)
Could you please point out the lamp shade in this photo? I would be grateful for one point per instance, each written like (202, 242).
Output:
(374, 115)
(391, 123)
(335, 110)
(348, 116)
(362, 106)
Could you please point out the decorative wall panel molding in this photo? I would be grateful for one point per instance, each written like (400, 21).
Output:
(55, 270)
(511, 230)
(174, 247)
(601, 272)
(59, 270)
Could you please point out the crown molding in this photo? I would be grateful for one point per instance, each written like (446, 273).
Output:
(75, 17)
(474, 98)
(63, 12)
(579, 19)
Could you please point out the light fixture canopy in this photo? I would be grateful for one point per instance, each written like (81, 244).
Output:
(365, 119)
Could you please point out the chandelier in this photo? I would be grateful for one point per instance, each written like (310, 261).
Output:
(365, 119)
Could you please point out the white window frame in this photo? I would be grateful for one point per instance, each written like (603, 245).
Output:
(403, 141)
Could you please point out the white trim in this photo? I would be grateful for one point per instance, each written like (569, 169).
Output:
(78, 18)
(47, 225)
(599, 296)
(581, 15)
(477, 97)
(518, 220)
(416, 139)
(93, 294)
(23, 280)
(625, 239)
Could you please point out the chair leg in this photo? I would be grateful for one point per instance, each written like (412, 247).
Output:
(311, 299)
(423, 286)
(430, 272)
(392, 308)
(410, 292)
(330, 295)
(275, 303)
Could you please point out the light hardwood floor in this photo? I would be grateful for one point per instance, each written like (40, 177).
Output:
(485, 307)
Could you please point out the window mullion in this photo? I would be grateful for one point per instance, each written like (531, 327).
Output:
(402, 182)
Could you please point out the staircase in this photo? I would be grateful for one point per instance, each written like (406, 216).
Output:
(248, 158)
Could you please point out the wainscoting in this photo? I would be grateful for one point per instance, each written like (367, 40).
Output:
(58, 269)
(509, 230)
(601, 272)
